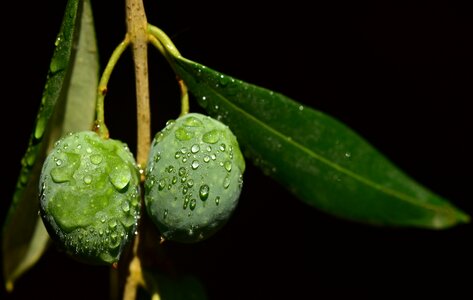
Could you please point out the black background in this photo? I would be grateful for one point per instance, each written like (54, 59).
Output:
(398, 73)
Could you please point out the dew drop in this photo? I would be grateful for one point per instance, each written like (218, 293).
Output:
(157, 157)
(192, 204)
(195, 164)
(112, 223)
(96, 159)
(170, 169)
(186, 202)
(347, 154)
(60, 175)
(182, 171)
(206, 158)
(126, 206)
(161, 184)
(174, 180)
(195, 148)
(120, 176)
(177, 155)
(165, 214)
(213, 156)
(58, 162)
(226, 182)
(204, 192)
(190, 183)
(217, 200)
(301, 108)
(222, 147)
(192, 122)
(211, 137)
(184, 190)
(182, 134)
(87, 179)
(227, 165)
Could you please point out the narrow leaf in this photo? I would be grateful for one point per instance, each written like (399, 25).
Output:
(316, 157)
(70, 88)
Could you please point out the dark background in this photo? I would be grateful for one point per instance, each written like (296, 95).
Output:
(398, 73)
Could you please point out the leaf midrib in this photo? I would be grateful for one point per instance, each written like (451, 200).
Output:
(401, 196)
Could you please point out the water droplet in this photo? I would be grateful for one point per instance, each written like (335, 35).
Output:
(192, 122)
(65, 146)
(184, 159)
(222, 147)
(184, 190)
(204, 192)
(165, 214)
(39, 129)
(161, 184)
(224, 80)
(195, 164)
(96, 159)
(301, 108)
(87, 179)
(60, 175)
(174, 180)
(58, 162)
(190, 183)
(186, 202)
(120, 176)
(217, 200)
(192, 204)
(206, 158)
(211, 137)
(213, 156)
(195, 148)
(177, 155)
(112, 223)
(182, 171)
(126, 206)
(58, 41)
(182, 134)
(228, 165)
(183, 179)
(170, 169)
(226, 182)
(79, 146)
(347, 154)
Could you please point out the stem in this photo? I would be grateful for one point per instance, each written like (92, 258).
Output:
(163, 43)
(100, 126)
(137, 30)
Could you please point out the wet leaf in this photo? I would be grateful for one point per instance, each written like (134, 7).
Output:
(319, 159)
(70, 87)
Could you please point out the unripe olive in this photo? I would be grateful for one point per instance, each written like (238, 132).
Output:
(193, 178)
(90, 196)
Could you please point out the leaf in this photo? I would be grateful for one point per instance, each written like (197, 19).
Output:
(71, 86)
(319, 159)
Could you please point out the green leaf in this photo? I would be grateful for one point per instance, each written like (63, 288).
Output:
(319, 159)
(71, 86)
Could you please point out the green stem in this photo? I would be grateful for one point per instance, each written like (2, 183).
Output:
(100, 126)
(164, 40)
(164, 44)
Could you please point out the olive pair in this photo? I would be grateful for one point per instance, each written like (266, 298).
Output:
(90, 187)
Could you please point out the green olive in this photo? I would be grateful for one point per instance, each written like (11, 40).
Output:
(193, 178)
(90, 196)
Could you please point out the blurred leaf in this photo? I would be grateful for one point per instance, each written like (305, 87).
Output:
(170, 287)
(71, 87)
(319, 159)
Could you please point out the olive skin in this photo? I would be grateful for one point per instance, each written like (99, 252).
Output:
(193, 178)
(90, 196)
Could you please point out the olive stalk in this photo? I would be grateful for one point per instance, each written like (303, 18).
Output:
(138, 35)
